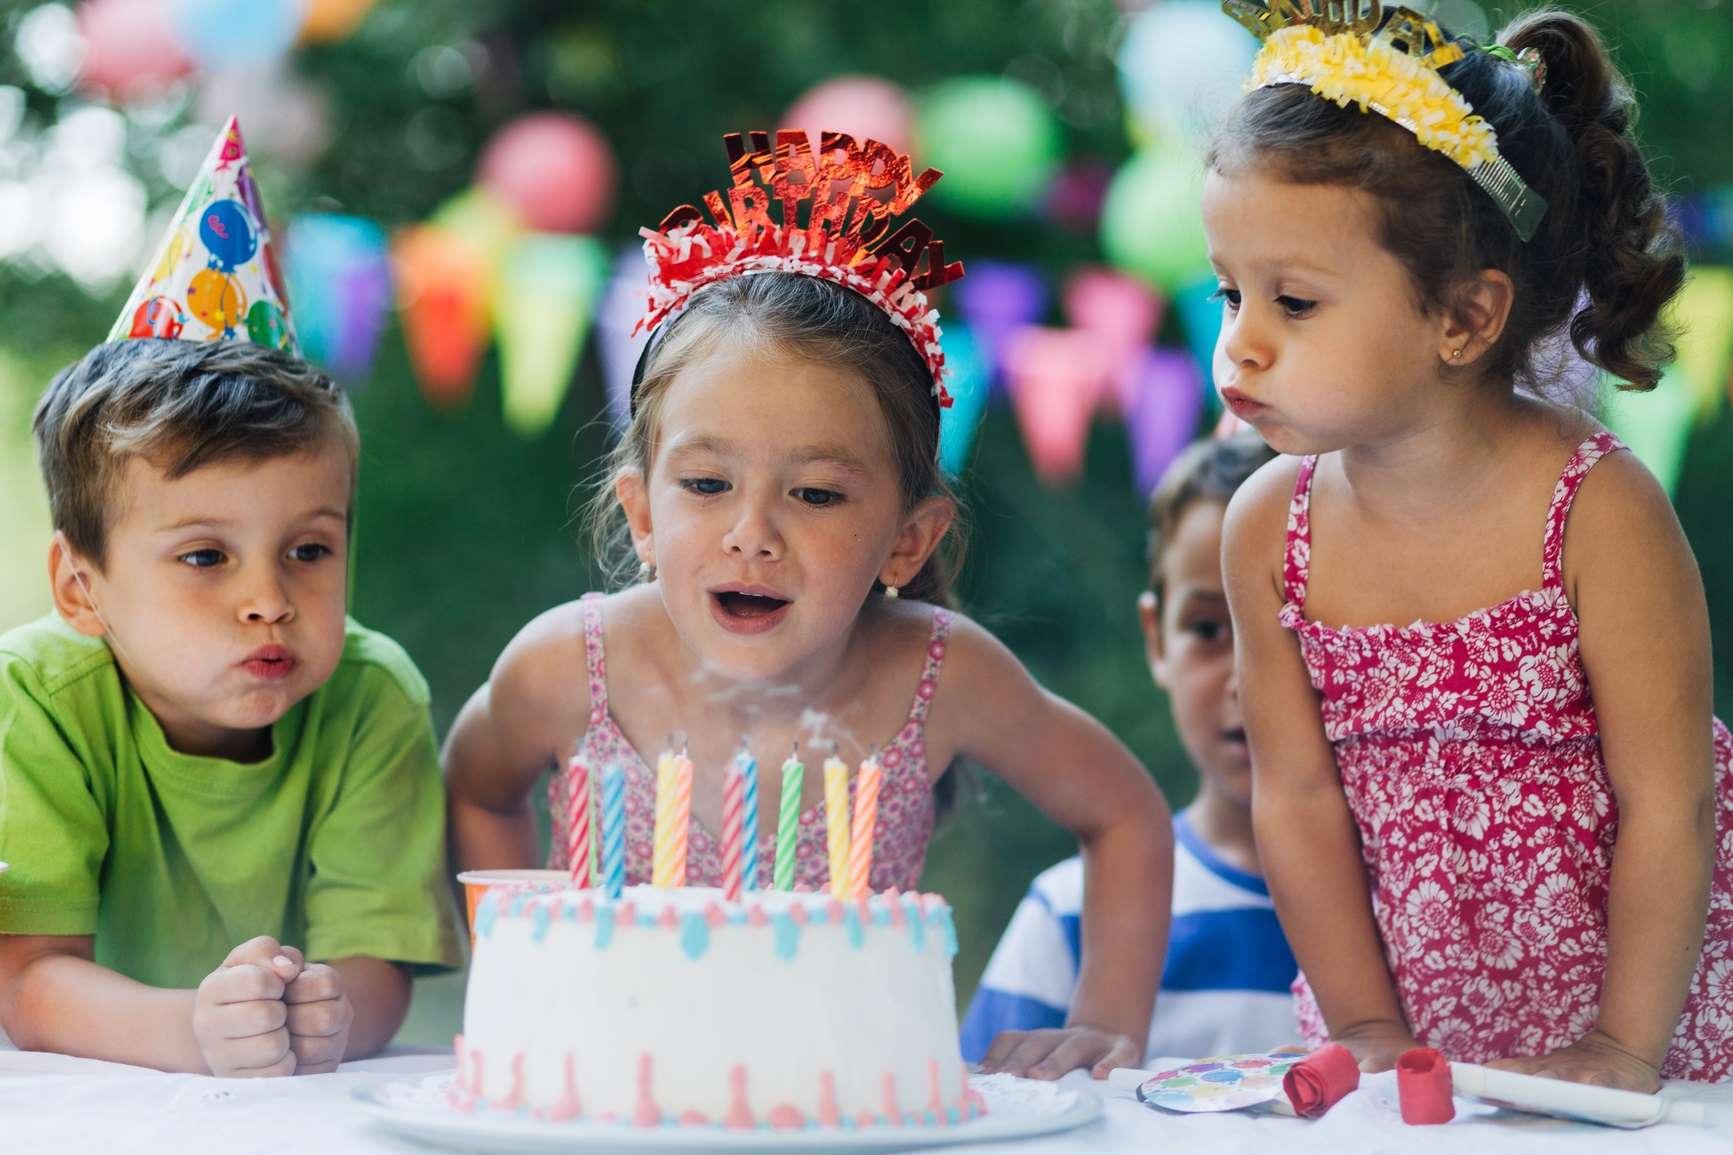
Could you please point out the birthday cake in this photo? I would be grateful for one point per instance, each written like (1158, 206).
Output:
(784, 1010)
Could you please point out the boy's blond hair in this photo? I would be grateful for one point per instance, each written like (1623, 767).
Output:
(179, 405)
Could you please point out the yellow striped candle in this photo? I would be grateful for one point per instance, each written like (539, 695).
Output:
(866, 820)
(673, 816)
(836, 822)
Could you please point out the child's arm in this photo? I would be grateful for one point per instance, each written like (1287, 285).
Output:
(535, 704)
(1307, 841)
(1644, 633)
(1083, 778)
(53, 997)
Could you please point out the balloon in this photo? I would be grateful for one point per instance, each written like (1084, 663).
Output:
(996, 299)
(1057, 379)
(215, 298)
(996, 142)
(441, 293)
(129, 48)
(628, 290)
(865, 107)
(1200, 315)
(548, 289)
(158, 317)
(286, 116)
(966, 379)
(331, 20)
(554, 169)
(1075, 197)
(266, 326)
(1163, 415)
(341, 273)
(1181, 66)
(1121, 312)
(227, 231)
(235, 33)
(1655, 425)
(1151, 224)
(1704, 314)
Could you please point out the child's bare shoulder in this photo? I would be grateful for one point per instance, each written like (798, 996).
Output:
(1254, 531)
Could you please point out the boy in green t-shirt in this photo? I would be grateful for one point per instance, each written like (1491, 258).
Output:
(220, 799)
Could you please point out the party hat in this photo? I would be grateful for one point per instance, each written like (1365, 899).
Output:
(215, 277)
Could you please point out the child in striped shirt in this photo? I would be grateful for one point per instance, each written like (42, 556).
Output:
(1225, 985)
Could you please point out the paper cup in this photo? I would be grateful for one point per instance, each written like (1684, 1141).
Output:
(476, 883)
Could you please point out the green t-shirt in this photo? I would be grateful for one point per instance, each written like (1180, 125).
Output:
(335, 843)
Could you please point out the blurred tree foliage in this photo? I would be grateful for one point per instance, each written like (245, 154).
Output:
(464, 532)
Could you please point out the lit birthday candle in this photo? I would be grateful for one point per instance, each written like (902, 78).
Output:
(732, 810)
(836, 822)
(866, 819)
(748, 817)
(614, 831)
(788, 819)
(673, 817)
(578, 821)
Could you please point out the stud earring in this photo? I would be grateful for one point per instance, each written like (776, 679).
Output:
(892, 591)
(646, 572)
(1456, 354)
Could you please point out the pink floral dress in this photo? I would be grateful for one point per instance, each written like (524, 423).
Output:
(1471, 758)
(905, 821)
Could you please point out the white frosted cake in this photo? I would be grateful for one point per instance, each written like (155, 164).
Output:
(673, 1007)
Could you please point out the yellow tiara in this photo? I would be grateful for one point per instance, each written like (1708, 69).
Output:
(1386, 61)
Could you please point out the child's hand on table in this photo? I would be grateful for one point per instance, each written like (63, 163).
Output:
(239, 1016)
(1050, 1053)
(1595, 1059)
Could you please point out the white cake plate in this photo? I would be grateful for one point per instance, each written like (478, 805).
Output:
(1016, 1109)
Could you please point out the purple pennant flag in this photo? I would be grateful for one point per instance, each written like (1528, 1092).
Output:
(1167, 401)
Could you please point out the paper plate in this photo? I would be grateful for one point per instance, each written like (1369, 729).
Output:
(1222, 1083)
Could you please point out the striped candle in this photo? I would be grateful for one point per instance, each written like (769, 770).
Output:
(578, 821)
(732, 809)
(788, 820)
(614, 831)
(836, 822)
(749, 818)
(673, 816)
(866, 819)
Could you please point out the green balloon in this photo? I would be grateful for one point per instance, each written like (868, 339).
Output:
(996, 142)
(267, 326)
(1151, 222)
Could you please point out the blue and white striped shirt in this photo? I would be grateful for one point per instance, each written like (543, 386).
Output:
(1224, 989)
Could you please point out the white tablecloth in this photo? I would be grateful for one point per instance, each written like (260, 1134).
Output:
(54, 1104)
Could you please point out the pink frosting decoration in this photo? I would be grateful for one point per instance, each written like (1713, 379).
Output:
(866, 1119)
(787, 1117)
(756, 916)
(828, 1115)
(458, 1095)
(833, 909)
(739, 1111)
(936, 1101)
(586, 910)
(893, 1113)
(713, 914)
(973, 1103)
(670, 919)
(647, 1113)
(475, 1072)
(797, 913)
(567, 1107)
(627, 915)
(866, 911)
(514, 1098)
(897, 915)
(694, 1119)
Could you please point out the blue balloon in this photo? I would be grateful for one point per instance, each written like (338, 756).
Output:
(1200, 315)
(966, 380)
(227, 232)
(226, 34)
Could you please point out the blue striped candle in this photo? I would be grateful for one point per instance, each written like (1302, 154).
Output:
(614, 830)
(749, 818)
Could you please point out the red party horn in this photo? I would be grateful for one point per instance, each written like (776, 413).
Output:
(1423, 1086)
(1320, 1080)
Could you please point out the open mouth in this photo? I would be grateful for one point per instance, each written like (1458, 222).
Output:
(748, 605)
(747, 612)
(1238, 734)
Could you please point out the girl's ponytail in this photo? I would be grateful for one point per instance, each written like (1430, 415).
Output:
(1632, 263)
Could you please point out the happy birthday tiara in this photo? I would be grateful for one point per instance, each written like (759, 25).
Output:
(853, 191)
(1387, 60)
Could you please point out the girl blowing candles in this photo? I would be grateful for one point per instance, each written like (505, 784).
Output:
(1510, 833)
(780, 490)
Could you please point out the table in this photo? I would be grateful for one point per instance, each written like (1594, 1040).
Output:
(56, 1105)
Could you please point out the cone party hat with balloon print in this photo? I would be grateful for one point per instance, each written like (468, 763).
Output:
(215, 276)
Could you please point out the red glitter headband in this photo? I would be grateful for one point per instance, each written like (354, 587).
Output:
(854, 191)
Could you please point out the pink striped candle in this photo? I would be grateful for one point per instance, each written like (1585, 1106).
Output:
(866, 819)
(578, 821)
(733, 830)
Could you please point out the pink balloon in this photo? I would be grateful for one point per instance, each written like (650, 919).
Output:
(130, 48)
(1057, 379)
(555, 169)
(1123, 313)
(865, 107)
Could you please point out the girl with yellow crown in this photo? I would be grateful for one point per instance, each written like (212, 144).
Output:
(780, 493)
(1495, 810)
